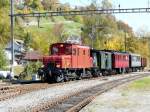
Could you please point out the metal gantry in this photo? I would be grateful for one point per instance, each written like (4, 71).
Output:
(84, 12)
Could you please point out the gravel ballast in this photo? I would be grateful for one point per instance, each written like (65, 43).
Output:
(27, 101)
(120, 100)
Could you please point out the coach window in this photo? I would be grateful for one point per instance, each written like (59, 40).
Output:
(124, 58)
(117, 57)
(138, 58)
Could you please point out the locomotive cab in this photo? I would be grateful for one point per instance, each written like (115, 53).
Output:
(67, 59)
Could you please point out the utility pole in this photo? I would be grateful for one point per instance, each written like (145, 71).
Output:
(12, 33)
(94, 36)
(38, 20)
(149, 50)
(125, 43)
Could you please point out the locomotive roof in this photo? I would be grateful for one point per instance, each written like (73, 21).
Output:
(71, 44)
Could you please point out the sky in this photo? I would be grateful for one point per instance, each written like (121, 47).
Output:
(136, 21)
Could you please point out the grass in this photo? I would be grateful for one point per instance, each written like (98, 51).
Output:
(18, 70)
(142, 84)
(46, 26)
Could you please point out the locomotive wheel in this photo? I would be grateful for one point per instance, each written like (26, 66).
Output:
(97, 74)
(79, 78)
(59, 78)
(66, 78)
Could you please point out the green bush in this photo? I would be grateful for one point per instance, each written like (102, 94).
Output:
(30, 69)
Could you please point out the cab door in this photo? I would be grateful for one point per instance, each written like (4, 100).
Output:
(74, 57)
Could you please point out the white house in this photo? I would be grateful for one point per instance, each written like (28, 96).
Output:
(18, 50)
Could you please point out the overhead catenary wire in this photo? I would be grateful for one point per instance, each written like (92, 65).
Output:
(83, 12)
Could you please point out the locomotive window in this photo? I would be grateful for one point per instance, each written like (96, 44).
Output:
(83, 52)
(54, 50)
(68, 51)
(78, 52)
(73, 51)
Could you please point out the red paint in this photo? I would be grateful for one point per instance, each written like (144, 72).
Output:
(66, 55)
(143, 62)
(120, 60)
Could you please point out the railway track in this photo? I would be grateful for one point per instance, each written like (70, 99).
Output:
(74, 102)
(11, 91)
(7, 92)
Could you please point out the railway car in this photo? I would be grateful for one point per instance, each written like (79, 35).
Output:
(135, 62)
(143, 63)
(66, 61)
(102, 62)
(120, 62)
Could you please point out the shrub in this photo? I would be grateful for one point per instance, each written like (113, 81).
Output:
(30, 69)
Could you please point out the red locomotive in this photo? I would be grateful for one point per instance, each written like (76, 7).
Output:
(73, 61)
(65, 61)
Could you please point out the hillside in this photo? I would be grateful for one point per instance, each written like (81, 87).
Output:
(50, 30)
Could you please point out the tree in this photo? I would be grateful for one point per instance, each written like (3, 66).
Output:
(3, 61)
(124, 27)
(58, 30)
(4, 3)
(36, 5)
(27, 41)
(30, 69)
(50, 4)
(78, 19)
(106, 4)
(4, 21)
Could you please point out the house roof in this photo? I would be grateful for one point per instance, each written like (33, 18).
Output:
(18, 42)
(18, 45)
(33, 55)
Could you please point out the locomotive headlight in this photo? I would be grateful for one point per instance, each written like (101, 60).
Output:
(58, 66)
(61, 45)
